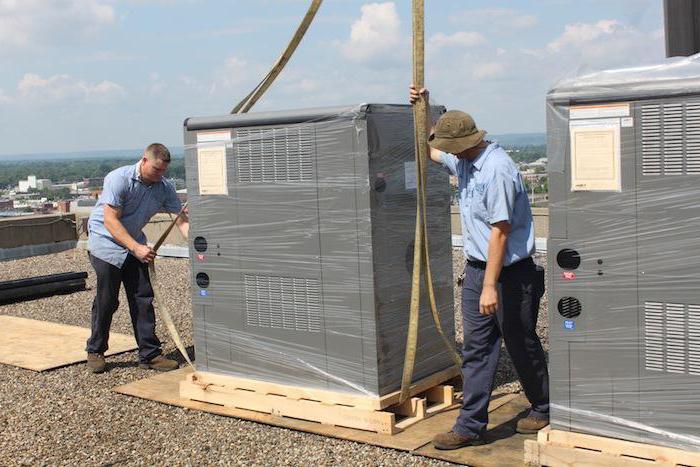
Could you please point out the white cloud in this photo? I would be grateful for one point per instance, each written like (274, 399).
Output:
(27, 24)
(606, 43)
(32, 88)
(234, 73)
(376, 36)
(502, 18)
(489, 70)
(458, 39)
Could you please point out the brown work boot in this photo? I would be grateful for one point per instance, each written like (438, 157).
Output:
(160, 363)
(531, 424)
(96, 362)
(452, 440)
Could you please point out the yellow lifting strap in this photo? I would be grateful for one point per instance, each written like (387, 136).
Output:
(276, 69)
(421, 257)
(158, 303)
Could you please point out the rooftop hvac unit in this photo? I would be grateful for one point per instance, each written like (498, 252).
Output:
(624, 254)
(302, 227)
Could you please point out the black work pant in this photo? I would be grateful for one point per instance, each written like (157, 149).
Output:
(139, 293)
(519, 291)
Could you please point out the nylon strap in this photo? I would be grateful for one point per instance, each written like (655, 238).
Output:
(250, 100)
(421, 256)
(158, 303)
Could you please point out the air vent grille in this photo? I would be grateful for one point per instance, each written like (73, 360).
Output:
(274, 155)
(290, 303)
(672, 337)
(671, 139)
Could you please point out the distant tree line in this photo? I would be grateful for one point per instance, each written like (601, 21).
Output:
(68, 171)
(527, 154)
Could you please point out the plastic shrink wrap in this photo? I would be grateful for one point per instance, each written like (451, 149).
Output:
(623, 150)
(301, 240)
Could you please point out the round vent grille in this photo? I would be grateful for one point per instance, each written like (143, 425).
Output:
(202, 279)
(200, 244)
(568, 259)
(569, 307)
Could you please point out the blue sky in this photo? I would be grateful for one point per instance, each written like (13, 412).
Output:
(80, 75)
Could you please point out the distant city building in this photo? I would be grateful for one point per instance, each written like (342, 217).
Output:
(43, 184)
(29, 184)
(95, 182)
(86, 202)
(64, 206)
(6, 204)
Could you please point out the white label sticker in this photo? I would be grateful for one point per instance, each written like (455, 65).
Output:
(595, 155)
(211, 170)
(212, 136)
(627, 122)
(599, 111)
(410, 175)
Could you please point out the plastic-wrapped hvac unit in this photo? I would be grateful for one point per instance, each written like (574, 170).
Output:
(624, 253)
(302, 227)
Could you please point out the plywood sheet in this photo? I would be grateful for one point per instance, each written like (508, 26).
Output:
(503, 449)
(40, 345)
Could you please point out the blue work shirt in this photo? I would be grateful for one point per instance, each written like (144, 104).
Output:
(139, 202)
(491, 190)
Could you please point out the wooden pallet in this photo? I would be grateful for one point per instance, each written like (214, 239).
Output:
(555, 448)
(378, 414)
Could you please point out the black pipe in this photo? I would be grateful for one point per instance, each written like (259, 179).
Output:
(64, 276)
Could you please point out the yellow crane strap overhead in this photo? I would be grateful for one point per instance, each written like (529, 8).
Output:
(421, 256)
(242, 107)
(250, 100)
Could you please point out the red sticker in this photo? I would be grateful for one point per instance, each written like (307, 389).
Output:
(200, 257)
(568, 275)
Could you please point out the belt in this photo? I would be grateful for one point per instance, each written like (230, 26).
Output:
(475, 263)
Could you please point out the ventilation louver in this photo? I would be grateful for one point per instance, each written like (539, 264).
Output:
(274, 155)
(290, 303)
(671, 139)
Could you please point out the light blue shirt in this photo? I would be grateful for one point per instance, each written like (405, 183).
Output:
(491, 190)
(139, 202)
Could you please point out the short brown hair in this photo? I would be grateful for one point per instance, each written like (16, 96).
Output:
(157, 151)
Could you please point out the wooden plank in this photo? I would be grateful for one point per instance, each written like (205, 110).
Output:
(337, 415)
(556, 447)
(232, 384)
(322, 395)
(420, 386)
(40, 345)
(311, 404)
(504, 445)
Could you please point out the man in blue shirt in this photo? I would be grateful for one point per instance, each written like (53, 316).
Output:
(502, 287)
(131, 195)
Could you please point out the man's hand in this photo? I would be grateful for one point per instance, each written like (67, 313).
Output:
(488, 303)
(415, 94)
(144, 253)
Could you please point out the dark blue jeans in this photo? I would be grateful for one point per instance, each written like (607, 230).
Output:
(520, 289)
(137, 284)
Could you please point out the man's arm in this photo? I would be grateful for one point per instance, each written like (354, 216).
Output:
(183, 223)
(115, 227)
(488, 303)
(414, 96)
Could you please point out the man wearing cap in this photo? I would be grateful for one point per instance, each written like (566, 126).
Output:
(502, 286)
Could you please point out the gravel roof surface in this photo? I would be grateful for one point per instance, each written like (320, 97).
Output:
(68, 416)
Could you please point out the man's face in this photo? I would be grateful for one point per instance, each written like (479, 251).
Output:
(472, 153)
(152, 169)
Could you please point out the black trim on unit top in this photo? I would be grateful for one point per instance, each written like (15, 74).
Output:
(287, 117)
